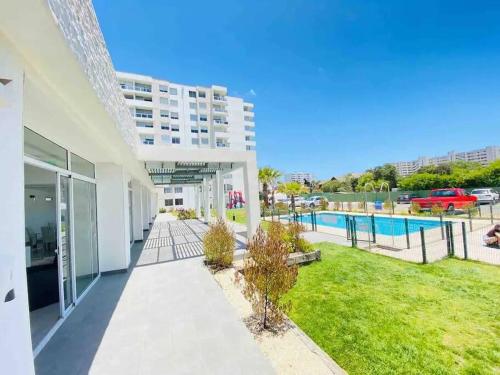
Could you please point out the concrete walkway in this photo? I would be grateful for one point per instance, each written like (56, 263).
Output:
(167, 317)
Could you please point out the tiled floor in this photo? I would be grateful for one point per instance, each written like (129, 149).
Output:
(166, 316)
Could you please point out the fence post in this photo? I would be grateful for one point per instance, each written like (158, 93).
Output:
(351, 226)
(355, 231)
(422, 240)
(491, 212)
(407, 233)
(348, 227)
(452, 240)
(441, 222)
(470, 218)
(464, 236)
(478, 205)
(373, 228)
(447, 227)
(392, 205)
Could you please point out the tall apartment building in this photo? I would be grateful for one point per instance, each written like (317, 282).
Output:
(299, 177)
(188, 117)
(483, 156)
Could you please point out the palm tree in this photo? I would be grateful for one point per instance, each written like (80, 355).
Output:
(268, 176)
(291, 189)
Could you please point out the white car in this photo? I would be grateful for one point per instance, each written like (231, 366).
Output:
(314, 201)
(299, 201)
(486, 195)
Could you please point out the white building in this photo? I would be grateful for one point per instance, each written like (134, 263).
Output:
(191, 118)
(483, 156)
(79, 188)
(299, 177)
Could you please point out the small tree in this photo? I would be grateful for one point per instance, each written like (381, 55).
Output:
(219, 244)
(268, 176)
(291, 189)
(268, 277)
(323, 204)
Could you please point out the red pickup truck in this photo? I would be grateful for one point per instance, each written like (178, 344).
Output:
(448, 199)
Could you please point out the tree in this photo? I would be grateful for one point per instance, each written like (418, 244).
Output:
(268, 176)
(331, 186)
(386, 172)
(291, 189)
(268, 276)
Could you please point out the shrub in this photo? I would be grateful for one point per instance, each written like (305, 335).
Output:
(415, 208)
(437, 209)
(219, 244)
(336, 206)
(474, 211)
(388, 205)
(163, 210)
(323, 204)
(281, 207)
(268, 277)
(361, 206)
(305, 246)
(183, 214)
(349, 206)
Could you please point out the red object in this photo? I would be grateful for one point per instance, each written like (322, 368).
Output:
(448, 199)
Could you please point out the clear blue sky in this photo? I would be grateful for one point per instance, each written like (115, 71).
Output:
(338, 86)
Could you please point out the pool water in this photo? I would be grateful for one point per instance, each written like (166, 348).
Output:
(383, 225)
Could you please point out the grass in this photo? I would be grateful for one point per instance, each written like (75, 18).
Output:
(240, 215)
(377, 315)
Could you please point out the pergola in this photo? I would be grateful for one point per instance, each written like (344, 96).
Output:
(202, 168)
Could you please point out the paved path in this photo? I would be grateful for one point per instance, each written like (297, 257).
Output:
(167, 317)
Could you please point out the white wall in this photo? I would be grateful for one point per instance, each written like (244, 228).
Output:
(112, 217)
(15, 344)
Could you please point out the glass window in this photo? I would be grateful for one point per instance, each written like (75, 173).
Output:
(178, 189)
(204, 141)
(174, 103)
(204, 130)
(202, 94)
(163, 100)
(175, 128)
(165, 139)
(203, 105)
(195, 141)
(179, 201)
(193, 117)
(203, 117)
(148, 141)
(142, 124)
(164, 126)
(163, 88)
(176, 140)
(192, 105)
(167, 189)
(194, 130)
(192, 94)
(173, 91)
(82, 166)
(42, 149)
(169, 202)
(163, 114)
(174, 116)
(143, 113)
(85, 222)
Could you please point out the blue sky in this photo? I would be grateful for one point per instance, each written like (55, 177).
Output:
(338, 86)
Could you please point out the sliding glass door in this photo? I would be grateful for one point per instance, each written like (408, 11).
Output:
(85, 224)
(65, 279)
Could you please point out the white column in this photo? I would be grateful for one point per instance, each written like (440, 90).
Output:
(112, 217)
(251, 183)
(16, 355)
(137, 210)
(221, 206)
(150, 212)
(145, 212)
(206, 203)
(197, 199)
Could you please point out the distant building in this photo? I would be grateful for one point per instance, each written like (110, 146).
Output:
(483, 156)
(299, 177)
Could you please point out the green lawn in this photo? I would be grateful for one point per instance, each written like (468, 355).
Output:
(377, 315)
(240, 215)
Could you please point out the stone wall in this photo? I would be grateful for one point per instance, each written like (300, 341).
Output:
(78, 23)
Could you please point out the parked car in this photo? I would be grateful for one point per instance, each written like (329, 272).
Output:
(448, 199)
(313, 201)
(406, 198)
(299, 201)
(486, 195)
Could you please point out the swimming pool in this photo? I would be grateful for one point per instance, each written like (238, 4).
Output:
(383, 225)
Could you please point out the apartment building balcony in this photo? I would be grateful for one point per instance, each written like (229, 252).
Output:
(219, 110)
(139, 103)
(219, 98)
